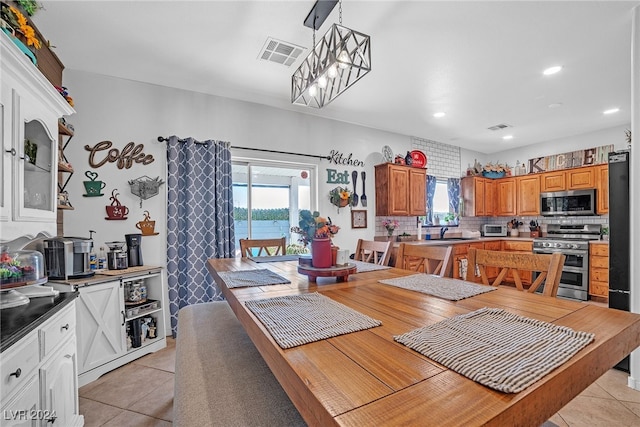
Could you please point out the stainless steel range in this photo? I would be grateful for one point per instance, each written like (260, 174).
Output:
(572, 240)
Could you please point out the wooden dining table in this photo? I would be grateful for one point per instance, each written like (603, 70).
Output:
(366, 378)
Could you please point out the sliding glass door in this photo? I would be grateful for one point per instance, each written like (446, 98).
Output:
(267, 197)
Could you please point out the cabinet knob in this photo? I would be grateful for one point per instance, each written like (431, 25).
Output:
(12, 151)
(66, 327)
(16, 374)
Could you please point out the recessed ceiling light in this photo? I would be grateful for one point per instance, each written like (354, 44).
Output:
(552, 70)
(611, 111)
(439, 114)
(507, 137)
(555, 105)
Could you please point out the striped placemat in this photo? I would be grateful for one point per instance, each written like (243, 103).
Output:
(441, 287)
(274, 258)
(243, 278)
(294, 320)
(498, 349)
(368, 266)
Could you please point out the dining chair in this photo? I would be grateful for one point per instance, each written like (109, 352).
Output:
(266, 247)
(373, 252)
(430, 259)
(548, 268)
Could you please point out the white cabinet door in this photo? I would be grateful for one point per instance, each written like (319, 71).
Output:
(5, 156)
(100, 325)
(23, 409)
(59, 382)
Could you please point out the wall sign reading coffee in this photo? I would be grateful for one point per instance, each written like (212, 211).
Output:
(130, 154)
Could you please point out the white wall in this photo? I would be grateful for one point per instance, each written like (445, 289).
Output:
(122, 111)
(614, 135)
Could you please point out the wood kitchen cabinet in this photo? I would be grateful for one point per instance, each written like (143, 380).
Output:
(400, 190)
(528, 195)
(581, 178)
(478, 195)
(506, 197)
(569, 179)
(602, 189)
(599, 269)
(553, 181)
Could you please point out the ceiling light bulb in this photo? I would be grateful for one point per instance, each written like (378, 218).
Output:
(552, 70)
(322, 81)
(313, 90)
(343, 59)
(507, 137)
(439, 114)
(611, 111)
(332, 71)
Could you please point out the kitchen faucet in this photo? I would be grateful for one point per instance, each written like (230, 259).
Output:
(442, 231)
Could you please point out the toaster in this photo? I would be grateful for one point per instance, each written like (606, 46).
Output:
(494, 230)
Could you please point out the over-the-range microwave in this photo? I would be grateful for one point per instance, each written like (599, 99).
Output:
(494, 230)
(564, 203)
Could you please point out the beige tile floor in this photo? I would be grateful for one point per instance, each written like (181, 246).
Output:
(140, 394)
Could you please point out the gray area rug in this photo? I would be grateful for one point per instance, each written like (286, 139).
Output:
(244, 278)
(441, 287)
(294, 320)
(498, 349)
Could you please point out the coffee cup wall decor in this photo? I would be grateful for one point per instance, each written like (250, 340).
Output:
(147, 226)
(93, 187)
(117, 211)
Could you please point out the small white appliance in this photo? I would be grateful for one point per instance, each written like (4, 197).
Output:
(494, 230)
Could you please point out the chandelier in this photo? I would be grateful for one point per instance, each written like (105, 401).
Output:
(341, 58)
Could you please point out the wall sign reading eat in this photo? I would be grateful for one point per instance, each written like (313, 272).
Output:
(102, 153)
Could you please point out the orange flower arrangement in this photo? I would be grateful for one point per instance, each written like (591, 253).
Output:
(26, 29)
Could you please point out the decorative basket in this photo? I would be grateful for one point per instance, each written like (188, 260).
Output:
(493, 175)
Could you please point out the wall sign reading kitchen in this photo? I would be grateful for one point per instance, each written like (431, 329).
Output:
(339, 158)
(130, 154)
(572, 159)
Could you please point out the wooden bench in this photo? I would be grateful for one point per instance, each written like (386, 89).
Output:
(220, 377)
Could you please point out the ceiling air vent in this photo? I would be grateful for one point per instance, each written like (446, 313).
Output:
(499, 127)
(280, 52)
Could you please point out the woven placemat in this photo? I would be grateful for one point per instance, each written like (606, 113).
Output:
(294, 320)
(363, 267)
(498, 349)
(441, 287)
(244, 278)
(274, 258)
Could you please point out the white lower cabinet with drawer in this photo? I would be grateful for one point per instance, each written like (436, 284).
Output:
(113, 331)
(40, 376)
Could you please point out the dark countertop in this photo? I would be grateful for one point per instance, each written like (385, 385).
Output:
(17, 322)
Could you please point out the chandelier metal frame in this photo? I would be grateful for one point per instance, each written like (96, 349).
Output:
(336, 62)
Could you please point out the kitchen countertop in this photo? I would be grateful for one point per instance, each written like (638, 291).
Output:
(109, 276)
(17, 322)
(457, 241)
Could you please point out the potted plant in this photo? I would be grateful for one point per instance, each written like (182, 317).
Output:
(605, 233)
(450, 218)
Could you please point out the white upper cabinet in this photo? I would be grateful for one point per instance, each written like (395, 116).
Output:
(29, 110)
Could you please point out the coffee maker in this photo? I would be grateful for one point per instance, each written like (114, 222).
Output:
(134, 250)
(116, 257)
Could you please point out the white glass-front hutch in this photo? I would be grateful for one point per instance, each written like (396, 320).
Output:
(29, 110)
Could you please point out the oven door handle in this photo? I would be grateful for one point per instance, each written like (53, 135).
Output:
(575, 269)
(562, 251)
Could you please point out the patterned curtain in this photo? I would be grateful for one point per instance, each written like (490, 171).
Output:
(453, 190)
(431, 190)
(199, 219)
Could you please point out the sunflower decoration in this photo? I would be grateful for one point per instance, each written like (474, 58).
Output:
(19, 22)
(340, 197)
